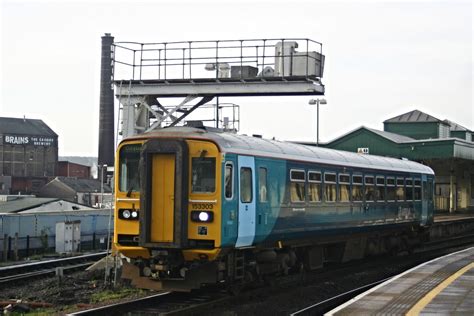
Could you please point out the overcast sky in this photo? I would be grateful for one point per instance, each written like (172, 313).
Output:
(382, 59)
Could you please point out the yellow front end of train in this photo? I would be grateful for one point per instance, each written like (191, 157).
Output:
(167, 210)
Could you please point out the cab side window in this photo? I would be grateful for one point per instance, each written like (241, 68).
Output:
(229, 180)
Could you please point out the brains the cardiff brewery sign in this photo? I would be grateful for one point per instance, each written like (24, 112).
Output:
(28, 140)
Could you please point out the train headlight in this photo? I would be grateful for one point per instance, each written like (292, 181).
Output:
(202, 216)
(128, 214)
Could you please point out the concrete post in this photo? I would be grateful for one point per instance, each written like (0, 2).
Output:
(15, 248)
(452, 193)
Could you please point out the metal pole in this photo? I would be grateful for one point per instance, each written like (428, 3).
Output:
(5, 247)
(217, 112)
(102, 186)
(317, 122)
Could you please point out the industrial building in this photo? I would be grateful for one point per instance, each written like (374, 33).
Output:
(28, 155)
(443, 145)
(89, 192)
(71, 169)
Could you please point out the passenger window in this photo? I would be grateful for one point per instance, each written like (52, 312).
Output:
(203, 175)
(417, 190)
(262, 182)
(380, 185)
(344, 187)
(314, 186)
(228, 180)
(391, 190)
(329, 187)
(246, 185)
(357, 193)
(369, 189)
(400, 189)
(297, 185)
(409, 189)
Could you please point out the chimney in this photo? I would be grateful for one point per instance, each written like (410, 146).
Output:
(106, 115)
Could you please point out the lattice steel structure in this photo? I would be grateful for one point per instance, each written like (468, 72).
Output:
(204, 70)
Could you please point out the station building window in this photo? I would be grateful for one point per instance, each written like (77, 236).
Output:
(380, 188)
(357, 192)
(229, 180)
(262, 184)
(369, 189)
(297, 185)
(400, 196)
(330, 187)
(391, 189)
(409, 189)
(344, 187)
(417, 189)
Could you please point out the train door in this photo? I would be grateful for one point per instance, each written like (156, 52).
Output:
(247, 211)
(162, 198)
(426, 199)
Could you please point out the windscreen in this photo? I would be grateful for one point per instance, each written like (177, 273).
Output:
(129, 158)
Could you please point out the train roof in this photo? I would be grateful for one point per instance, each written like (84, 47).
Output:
(256, 146)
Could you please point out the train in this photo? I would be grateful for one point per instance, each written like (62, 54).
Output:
(197, 206)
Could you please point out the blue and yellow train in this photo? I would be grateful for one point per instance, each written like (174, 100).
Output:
(197, 206)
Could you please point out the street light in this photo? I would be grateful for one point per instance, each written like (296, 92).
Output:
(102, 185)
(317, 102)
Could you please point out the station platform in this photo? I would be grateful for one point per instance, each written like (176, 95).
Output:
(444, 286)
(445, 217)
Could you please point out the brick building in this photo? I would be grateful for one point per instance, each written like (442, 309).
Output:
(28, 155)
(71, 169)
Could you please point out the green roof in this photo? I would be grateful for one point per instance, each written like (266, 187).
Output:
(414, 116)
(406, 147)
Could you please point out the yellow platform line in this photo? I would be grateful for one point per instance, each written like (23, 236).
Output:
(418, 307)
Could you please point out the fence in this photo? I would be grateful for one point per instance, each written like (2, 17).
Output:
(23, 235)
(218, 59)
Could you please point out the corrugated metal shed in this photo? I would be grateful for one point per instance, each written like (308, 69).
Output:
(22, 204)
(29, 204)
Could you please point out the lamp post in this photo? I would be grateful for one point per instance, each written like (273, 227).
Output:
(317, 102)
(102, 185)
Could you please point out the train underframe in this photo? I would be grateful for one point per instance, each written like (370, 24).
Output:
(167, 269)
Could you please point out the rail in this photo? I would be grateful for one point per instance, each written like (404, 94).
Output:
(218, 59)
(46, 267)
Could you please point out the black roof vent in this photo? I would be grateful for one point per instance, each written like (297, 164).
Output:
(256, 135)
(196, 124)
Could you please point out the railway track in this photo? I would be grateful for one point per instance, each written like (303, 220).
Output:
(26, 271)
(165, 303)
(176, 303)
